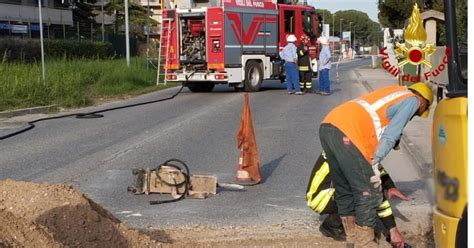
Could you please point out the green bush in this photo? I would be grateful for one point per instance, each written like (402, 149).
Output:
(30, 50)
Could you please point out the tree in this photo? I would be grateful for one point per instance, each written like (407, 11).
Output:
(82, 11)
(394, 13)
(364, 27)
(366, 30)
(137, 15)
(325, 17)
(325, 14)
(461, 20)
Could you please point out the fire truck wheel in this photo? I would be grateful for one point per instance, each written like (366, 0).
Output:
(200, 86)
(253, 76)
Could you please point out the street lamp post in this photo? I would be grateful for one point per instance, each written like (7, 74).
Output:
(332, 25)
(127, 35)
(350, 37)
(103, 18)
(323, 18)
(43, 73)
(353, 43)
(332, 35)
(340, 35)
(148, 36)
(378, 37)
(381, 30)
(354, 52)
(340, 27)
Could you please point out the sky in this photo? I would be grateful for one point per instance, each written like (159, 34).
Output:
(367, 6)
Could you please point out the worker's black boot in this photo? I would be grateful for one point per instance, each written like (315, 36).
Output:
(332, 227)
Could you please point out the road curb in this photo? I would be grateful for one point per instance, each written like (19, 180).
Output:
(423, 170)
(25, 111)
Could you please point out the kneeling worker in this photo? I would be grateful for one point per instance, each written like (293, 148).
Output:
(320, 198)
(356, 136)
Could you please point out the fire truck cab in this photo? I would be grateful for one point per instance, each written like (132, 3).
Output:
(234, 42)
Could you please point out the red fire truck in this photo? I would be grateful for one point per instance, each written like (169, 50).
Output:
(234, 42)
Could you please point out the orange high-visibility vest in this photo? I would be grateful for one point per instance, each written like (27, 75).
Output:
(363, 119)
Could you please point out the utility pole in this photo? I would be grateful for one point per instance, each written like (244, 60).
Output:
(381, 34)
(323, 18)
(148, 36)
(340, 35)
(41, 41)
(333, 25)
(354, 36)
(9, 30)
(340, 28)
(103, 29)
(333, 35)
(350, 35)
(127, 35)
(378, 36)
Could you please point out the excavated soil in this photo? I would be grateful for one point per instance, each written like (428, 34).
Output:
(56, 215)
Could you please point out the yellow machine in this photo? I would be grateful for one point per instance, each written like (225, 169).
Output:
(449, 145)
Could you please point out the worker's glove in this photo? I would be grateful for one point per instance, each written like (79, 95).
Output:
(375, 180)
(396, 147)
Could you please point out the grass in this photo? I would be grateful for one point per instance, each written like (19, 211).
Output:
(73, 83)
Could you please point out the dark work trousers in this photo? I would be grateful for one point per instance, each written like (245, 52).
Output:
(350, 173)
(306, 80)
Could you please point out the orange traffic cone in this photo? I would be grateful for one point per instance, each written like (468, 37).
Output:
(248, 171)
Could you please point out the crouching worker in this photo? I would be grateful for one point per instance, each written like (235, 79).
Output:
(356, 136)
(320, 198)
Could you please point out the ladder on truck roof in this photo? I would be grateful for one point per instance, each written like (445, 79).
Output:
(163, 52)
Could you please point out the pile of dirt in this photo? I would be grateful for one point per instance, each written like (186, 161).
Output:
(57, 215)
(17, 232)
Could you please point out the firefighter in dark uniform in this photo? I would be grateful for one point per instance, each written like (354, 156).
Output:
(304, 65)
(319, 196)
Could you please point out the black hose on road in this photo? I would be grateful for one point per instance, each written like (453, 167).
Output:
(94, 114)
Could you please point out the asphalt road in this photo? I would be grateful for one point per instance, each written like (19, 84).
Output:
(97, 155)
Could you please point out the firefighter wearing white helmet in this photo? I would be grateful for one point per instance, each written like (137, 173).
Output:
(291, 38)
(355, 148)
(323, 40)
(289, 56)
(324, 67)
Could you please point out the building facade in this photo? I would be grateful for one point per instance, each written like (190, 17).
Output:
(20, 18)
